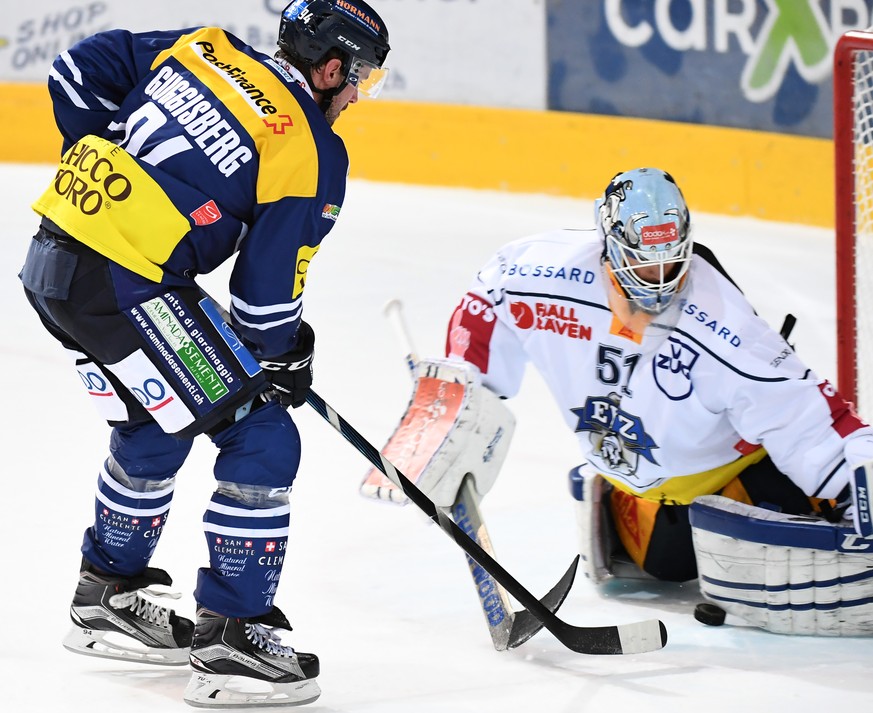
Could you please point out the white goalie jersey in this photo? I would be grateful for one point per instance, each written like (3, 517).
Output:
(664, 411)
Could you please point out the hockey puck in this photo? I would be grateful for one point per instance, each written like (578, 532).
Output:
(709, 614)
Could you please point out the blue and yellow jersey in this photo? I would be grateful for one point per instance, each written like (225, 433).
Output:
(183, 148)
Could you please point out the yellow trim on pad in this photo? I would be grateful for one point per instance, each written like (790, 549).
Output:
(727, 171)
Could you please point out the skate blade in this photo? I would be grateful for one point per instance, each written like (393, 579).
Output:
(114, 645)
(213, 690)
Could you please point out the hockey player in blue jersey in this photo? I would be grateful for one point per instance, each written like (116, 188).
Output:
(180, 150)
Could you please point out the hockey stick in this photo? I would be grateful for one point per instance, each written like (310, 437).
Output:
(640, 637)
(508, 628)
(636, 638)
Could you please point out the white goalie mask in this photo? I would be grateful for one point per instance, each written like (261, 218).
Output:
(647, 232)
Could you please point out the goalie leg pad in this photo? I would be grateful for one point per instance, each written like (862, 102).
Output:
(600, 548)
(587, 490)
(788, 574)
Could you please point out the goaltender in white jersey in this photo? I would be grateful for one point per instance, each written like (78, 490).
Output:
(667, 414)
(711, 449)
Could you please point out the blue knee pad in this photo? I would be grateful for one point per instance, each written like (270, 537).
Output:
(143, 450)
(261, 449)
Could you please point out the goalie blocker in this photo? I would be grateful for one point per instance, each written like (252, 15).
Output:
(452, 427)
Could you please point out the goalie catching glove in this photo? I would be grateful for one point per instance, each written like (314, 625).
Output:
(290, 375)
(453, 426)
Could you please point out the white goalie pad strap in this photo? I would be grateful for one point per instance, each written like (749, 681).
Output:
(452, 426)
(787, 574)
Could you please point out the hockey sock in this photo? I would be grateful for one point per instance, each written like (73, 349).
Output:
(127, 523)
(246, 553)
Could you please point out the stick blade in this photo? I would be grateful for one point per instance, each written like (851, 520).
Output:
(642, 637)
(525, 624)
(622, 639)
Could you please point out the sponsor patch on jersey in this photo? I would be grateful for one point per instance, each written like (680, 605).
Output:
(206, 214)
(659, 234)
(192, 356)
(100, 193)
(243, 355)
(153, 391)
(672, 368)
(279, 124)
(178, 339)
(556, 272)
(330, 211)
(547, 317)
(109, 404)
(470, 330)
(304, 257)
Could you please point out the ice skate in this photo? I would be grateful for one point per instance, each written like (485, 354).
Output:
(112, 619)
(243, 662)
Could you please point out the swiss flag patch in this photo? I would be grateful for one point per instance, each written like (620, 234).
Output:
(206, 214)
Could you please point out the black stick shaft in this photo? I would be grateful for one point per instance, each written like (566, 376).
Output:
(594, 640)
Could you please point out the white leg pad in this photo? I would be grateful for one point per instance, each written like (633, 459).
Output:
(587, 488)
(788, 574)
(602, 553)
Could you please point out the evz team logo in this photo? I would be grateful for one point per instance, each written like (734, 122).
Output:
(618, 437)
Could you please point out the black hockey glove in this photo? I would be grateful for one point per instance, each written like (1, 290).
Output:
(290, 375)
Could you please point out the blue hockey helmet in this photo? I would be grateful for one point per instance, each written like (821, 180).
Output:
(647, 231)
(309, 29)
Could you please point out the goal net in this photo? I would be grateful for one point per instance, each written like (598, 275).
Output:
(853, 162)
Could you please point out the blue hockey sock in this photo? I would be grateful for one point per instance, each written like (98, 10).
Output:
(246, 553)
(127, 525)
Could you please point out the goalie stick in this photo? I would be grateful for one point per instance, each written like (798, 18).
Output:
(508, 628)
(635, 638)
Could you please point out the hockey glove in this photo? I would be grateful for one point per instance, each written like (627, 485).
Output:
(290, 375)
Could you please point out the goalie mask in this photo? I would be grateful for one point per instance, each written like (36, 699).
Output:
(647, 237)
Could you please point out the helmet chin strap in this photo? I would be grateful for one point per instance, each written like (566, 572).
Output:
(327, 95)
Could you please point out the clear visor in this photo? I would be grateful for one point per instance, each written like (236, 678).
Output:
(367, 78)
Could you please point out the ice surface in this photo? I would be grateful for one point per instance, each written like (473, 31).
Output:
(384, 598)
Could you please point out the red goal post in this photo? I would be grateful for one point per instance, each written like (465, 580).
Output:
(853, 181)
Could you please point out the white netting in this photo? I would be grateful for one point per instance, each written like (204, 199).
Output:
(863, 140)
